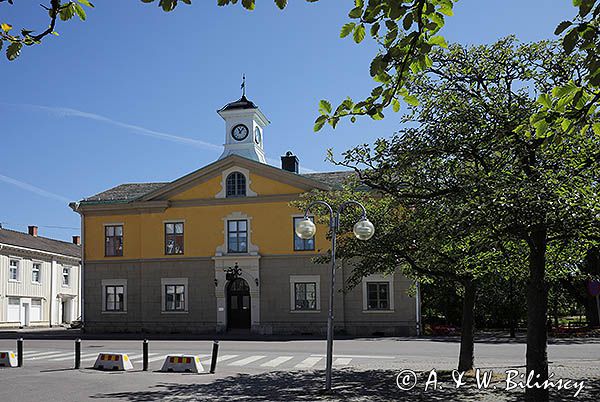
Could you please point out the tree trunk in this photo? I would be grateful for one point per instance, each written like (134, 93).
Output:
(592, 268)
(511, 320)
(466, 357)
(537, 312)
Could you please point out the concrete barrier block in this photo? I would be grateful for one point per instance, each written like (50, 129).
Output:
(8, 359)
(182, 364)
(113, 361)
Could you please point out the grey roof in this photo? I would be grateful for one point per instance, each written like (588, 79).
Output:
(125, 192)
(334, 179)
(131, 191)
(242, 103)
(20, 239)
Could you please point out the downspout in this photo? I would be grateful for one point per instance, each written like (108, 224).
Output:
(51, 301)
(81, 263)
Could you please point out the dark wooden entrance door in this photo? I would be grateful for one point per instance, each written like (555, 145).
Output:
(238, 304)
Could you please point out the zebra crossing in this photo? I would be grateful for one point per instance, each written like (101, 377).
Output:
(230, 360)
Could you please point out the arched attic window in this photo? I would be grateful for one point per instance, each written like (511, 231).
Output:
(236, 185)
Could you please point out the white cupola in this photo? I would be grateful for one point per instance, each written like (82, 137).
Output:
(244, 125)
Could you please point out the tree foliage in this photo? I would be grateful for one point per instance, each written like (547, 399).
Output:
(466, 158)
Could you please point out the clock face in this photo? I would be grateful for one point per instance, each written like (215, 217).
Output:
(257, 135)
(239, 132)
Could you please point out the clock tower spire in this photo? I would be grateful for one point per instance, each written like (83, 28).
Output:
(244, 125)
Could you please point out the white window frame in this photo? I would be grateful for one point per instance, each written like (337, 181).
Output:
(378, 278)
(114, 282)
(223, 249)
(62, 276)
(18, 261)
(186, 291)
(33, 269)
(303, 279)
(227, 172)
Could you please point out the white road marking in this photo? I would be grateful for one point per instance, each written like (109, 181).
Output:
(155, 359)
(277, 361)
(139, 356)
(342, 361)
(308, 362)
(29, 352)
(226, 357)
(72, 356)
(360, 356)
(247, 360)
(48, 356)
(92, 358)
(41, 354)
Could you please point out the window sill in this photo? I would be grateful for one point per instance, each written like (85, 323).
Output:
(174, 312)
(14, 281)
(304, 311)
(378, 311)
(114, 312)
(36, 283)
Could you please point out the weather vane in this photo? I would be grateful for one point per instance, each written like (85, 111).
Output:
(243, 86)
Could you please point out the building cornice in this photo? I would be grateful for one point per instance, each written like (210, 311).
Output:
(35, 252)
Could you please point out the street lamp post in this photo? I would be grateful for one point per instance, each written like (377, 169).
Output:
(306, 229)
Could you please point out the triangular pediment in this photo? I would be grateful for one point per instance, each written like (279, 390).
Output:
(206, 182)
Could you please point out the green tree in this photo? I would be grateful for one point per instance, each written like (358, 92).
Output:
(421, 237)
(467, 150)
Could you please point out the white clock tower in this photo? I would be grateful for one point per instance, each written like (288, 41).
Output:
(244, 125)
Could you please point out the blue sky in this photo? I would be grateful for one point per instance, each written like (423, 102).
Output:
(131, 94)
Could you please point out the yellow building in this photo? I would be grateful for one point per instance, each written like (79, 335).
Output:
(215, 250)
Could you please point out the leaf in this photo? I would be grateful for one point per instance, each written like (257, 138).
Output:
(346, 29)
(324, 107)
(359, 33)
(281, 4)
(87, 3)
(6, 27)
(395, 105)
(545, 100)
(561, 27)
(67, 12)
(14, 50)
(356, 12)
(248, 4)
(570, 40)
(596, 128)
(375, 29)
(319, 123)
(439, 41)
(411, 100)
(79, 11)
(407, 22)
(446, 10)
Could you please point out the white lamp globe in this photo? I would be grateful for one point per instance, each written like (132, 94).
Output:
(364, 229)
(306, 229)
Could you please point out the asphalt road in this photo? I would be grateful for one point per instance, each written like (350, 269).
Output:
(47, 372)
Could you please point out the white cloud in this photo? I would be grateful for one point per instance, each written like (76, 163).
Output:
(68, 112)
(32, 188)
(62, 112)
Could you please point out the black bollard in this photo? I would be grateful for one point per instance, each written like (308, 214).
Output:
(77, 353)
(20, 352)
(145, 352)
(215, 352)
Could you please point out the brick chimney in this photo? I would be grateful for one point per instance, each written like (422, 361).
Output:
(289, 162)
(77, 240)
(33, 230)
